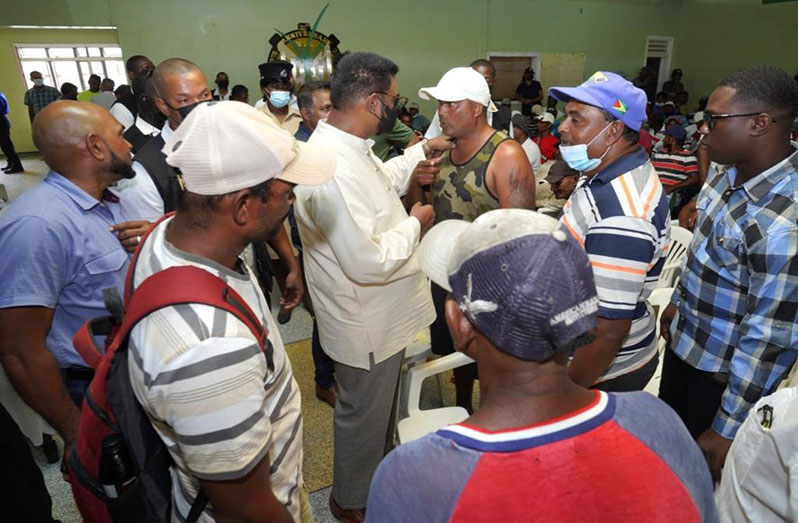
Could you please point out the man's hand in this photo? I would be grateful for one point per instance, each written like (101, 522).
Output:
(425, 172)
(130, 233)
(715, 448)
(665, 321)
(294, 290)
(425, 216)
(437, 145)
(688, 215)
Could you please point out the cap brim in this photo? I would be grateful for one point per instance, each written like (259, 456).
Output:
(553, 178)
(313, 165)
(566, 94)
(436, 93)
(436, 250)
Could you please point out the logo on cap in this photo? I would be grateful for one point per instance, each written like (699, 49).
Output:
(599, 77)
(620, 106)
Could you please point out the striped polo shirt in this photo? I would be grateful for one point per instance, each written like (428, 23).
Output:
(620, 216)
(205, 385)
(674, 168)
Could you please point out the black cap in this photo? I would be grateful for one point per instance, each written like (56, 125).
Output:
(276, 72)
(560, 170)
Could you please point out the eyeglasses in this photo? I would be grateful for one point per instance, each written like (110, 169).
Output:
(401, 101)
(710, 118)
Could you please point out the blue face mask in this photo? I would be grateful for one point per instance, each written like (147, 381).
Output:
(279, 98)
(576, 155)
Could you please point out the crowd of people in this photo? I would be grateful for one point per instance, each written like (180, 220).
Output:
(528, 240)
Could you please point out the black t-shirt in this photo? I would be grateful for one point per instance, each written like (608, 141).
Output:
(530, 91)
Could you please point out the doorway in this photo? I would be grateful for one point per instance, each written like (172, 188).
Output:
(509, 70)
(657, 57)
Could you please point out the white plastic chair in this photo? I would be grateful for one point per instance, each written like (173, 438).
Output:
(420, 422)
(680, 242)
(659, 300)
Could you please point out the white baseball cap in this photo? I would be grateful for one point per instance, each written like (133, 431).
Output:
(460, 83)
(223, 147)
(546, 117)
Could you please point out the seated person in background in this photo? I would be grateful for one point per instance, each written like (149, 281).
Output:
(406, 118)
(677, 169)
(545, 140)
(240, 93)
(522, 128)
(522, 298)
(562, 180)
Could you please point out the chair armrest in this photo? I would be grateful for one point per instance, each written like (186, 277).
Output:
(423, 371)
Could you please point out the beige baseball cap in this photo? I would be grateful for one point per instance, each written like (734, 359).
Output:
(223, 147)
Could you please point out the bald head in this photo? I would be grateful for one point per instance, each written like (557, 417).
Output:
(65, 130)
(172, 67)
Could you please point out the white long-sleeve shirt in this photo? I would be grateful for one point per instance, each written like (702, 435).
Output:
(359, 245)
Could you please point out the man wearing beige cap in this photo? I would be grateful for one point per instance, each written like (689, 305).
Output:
(486, 170)
(359, 245)
(228, 412)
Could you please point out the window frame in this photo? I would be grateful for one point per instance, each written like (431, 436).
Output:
(102, 59)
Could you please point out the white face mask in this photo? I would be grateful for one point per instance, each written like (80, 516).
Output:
(576, 155)
(39, 82)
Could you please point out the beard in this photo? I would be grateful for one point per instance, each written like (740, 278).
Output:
(122, 168)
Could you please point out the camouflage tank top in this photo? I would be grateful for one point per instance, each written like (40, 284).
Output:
(460, 191)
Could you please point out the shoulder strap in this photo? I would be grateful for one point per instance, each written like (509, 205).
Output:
(131, 270)
(197, 507)
(185, 285)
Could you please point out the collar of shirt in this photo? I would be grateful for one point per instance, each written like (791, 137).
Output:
(761, 184)
(166, 132)
(146, 127)
(293, 112)
(621, 165)
(84, 200)
(363, 145)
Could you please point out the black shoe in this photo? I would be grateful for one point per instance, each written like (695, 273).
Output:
(50, 449)
(15, 169)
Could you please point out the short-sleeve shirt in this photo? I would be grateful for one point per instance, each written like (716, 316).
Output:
(57, 252)
(39, 97)
(622, 458)
(529, 91)
(621, 218)
(547, 145)
(206, 387)
(676, 167)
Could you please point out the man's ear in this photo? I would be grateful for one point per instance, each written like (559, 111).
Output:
(761, 124)
(161, 105)
(615, 131)
(463, 333)
(96, 147)
(241, 206)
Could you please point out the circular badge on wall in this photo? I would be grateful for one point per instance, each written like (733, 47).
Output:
(313, 54)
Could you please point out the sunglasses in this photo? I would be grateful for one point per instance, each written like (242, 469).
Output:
(710, 118)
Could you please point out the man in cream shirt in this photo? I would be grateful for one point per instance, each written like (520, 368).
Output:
(369, 295)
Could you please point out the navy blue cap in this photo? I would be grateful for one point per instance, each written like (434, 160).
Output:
(524, 283)
(677, 131)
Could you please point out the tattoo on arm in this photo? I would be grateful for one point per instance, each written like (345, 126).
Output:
(521, 193)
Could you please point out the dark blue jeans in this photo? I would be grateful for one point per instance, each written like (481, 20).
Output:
(324, 366)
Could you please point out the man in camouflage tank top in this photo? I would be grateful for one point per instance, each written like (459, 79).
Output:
(486, 170)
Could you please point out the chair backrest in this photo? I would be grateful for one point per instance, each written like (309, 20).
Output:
(659, 299)
(680, 242)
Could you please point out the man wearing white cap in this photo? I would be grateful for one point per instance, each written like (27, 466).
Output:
(485, 171)
(359, 245)
(488, 72)
(546, 141)
(228, 412)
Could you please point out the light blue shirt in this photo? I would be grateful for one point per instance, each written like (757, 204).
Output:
(56, 251)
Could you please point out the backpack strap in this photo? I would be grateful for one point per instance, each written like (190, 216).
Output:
(186, 285)
(197, 507)
(131, 270)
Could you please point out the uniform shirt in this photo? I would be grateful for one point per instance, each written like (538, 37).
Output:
(359, 247)
(738, 295)
(57, 252)
(620, 216)
(623, 458)
(292, 119)
(205, 385)
(38, 97)
(676, 167)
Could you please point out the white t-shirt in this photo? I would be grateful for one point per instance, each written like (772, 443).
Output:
(533, 153)
(204, 383)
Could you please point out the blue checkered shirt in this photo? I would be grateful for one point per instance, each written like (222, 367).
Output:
(738, 296)
(39, 97)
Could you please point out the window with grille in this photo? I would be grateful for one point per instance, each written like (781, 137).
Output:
(61, 63)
